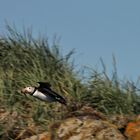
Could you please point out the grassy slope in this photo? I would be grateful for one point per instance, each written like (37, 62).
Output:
(24, 61)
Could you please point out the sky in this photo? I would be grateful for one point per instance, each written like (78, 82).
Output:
(94, 28)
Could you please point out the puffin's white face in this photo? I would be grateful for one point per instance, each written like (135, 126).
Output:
(28, 90)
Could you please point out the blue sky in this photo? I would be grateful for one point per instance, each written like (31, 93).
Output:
(95, 28)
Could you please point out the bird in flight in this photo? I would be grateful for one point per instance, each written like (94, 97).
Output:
(44, 93)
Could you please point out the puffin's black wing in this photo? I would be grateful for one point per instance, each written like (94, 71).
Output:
(53, 94)
(44, 85)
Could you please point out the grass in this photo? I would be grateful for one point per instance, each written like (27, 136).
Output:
(25, 61)
(111, 95)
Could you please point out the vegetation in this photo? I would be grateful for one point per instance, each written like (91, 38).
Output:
(25, 61)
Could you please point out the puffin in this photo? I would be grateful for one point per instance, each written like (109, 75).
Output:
(44, 92)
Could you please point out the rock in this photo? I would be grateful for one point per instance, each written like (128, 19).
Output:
(133, 130)
(87, 129)
(109, 134)
(119, 120)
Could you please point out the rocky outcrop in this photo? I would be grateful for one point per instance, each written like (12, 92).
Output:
(84, 128)
(86, 124)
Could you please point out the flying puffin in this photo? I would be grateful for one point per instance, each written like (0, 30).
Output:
(44, 93)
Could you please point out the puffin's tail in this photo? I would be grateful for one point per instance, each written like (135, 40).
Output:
(56, 96)
(62, 101)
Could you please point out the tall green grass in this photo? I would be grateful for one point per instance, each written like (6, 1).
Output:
(25, 60)
(111, 95)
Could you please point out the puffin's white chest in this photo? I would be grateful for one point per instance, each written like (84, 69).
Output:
(42, 96)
